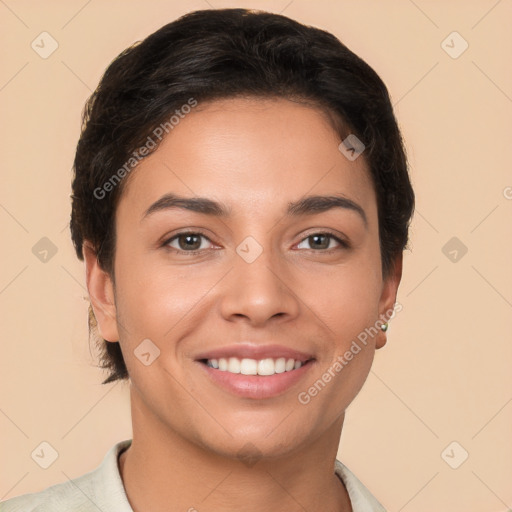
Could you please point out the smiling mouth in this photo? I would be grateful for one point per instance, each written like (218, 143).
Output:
(261, 367)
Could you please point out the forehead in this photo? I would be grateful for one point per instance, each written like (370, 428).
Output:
(249, 153)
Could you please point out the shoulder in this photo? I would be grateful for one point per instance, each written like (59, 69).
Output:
(62, 496)
(101, 489)
(361, 498)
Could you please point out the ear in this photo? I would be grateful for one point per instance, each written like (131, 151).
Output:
(388, 297)
(101, 294)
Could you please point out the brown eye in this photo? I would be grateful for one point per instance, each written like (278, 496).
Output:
(320, 241)
(186, 242)
(323, 242)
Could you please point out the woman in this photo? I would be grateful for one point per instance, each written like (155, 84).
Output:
(241, 201)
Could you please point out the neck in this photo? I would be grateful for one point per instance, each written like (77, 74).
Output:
(163, 471)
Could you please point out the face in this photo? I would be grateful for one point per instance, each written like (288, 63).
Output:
(249, 283)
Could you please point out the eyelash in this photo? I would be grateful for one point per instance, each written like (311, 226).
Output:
(343, 243)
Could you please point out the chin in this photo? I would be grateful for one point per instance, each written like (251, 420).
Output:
(258, 440)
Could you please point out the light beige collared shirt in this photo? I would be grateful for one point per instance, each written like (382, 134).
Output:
(102, 490)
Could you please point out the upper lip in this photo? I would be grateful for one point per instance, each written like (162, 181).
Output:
(248, 351)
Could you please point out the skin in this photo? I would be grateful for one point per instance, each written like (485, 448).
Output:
(255, 156)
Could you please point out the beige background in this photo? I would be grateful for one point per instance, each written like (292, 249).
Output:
(445, 374)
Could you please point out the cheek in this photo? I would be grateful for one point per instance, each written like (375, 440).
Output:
(349, 308)
(347, 298)
(347, 301)
(156, 300)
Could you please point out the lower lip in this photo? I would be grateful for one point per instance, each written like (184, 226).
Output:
(256, 386)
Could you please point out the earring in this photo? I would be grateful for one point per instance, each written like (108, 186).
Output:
(384, 327)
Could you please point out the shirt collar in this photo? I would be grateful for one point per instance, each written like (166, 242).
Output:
(361, 498)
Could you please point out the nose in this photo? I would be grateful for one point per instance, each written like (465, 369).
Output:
(259, 291)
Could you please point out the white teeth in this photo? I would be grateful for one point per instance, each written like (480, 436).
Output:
(234, 365)
(247, 366)
(266, 367)
(280, 365)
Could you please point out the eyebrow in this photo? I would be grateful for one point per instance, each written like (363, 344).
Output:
(309, 205)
